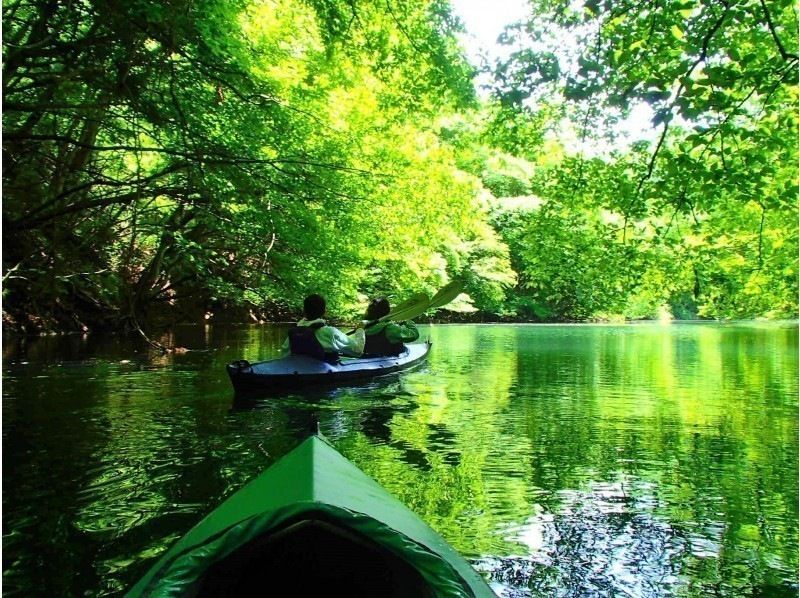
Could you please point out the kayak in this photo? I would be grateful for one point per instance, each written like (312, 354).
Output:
(295, 371)
(312, 524)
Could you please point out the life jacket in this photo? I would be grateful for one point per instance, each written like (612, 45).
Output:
(303, 341)
(377, 345)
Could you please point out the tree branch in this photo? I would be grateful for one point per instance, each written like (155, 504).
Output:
(89, 204)
(210, 158)
(784, 54)
(105, 183)
(703, 55)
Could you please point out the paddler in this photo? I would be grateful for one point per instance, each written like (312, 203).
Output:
(385, 338)
(313, 337)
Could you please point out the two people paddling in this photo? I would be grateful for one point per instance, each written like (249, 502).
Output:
(312, 336)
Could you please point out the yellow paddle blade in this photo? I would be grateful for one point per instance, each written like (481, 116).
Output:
(416, 306)
(446, 294)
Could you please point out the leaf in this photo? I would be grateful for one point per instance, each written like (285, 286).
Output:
(592, 7)
(662, 116)
(653, 97)
(677, 32)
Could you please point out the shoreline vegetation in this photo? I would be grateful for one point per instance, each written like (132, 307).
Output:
(231, 157)
(276, 317)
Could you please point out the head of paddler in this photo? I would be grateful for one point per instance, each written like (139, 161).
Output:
(314, 307)
(377, 308)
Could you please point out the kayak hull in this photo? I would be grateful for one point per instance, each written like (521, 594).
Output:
(313, 523)
(299, 371)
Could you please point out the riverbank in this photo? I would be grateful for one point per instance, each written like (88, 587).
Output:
(62, 322)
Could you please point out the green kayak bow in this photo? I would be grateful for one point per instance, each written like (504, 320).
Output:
(312, 524)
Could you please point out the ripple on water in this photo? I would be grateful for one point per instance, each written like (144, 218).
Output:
(562, 460)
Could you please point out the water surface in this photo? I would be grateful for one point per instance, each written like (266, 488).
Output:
(643, 460)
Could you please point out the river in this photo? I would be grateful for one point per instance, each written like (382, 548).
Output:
(560, 460)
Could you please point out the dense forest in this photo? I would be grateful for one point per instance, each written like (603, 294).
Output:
(197, 160)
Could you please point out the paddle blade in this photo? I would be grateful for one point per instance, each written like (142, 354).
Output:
(419, 303)
(414, 300)
(409, 313)
(415, 306)
(447, 294)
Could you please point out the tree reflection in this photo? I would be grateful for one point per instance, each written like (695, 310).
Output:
(562, 460)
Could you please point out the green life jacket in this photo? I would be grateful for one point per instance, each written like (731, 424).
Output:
(377, 344)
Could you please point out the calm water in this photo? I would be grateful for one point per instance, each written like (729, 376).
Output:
(638, 460)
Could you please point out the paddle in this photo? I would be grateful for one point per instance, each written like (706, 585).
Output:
(413, 301)
(446, 294)
(411, 305)
(408, 310)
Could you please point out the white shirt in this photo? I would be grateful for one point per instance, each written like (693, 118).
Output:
(334, 340)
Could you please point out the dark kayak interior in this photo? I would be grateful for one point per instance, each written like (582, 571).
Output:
(316, 556)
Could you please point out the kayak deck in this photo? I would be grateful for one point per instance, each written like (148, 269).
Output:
(294, 371)
(317, 555)
(312, 523)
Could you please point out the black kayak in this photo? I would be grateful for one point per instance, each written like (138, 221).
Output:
(298, 371)
(313, 524)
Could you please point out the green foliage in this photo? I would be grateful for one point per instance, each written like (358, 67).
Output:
(706, 215)
(246, 153)
(570, 262)
(226, 152)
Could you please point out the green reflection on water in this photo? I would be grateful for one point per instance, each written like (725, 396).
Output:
(562, 460)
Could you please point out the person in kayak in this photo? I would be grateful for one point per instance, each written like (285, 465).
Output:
(385, 338)
(311, 336)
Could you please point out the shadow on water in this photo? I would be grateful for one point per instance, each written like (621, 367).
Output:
(386, 385)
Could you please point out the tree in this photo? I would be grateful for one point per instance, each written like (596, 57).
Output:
(215, 153)
(720, 78)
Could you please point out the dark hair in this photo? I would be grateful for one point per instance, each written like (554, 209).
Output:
(377, 308)
(314, 306)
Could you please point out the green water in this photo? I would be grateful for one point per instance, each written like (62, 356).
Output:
(640, 460)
